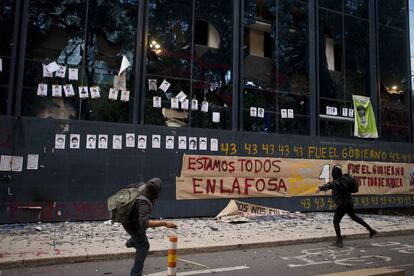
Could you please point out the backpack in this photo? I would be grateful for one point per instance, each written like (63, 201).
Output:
(351, 183)
(121, 204)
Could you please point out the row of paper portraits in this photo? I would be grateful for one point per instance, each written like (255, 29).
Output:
(101, 141)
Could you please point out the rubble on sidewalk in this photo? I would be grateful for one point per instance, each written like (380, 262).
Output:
(81, 241)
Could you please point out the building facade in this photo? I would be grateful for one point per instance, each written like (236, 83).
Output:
(95, 95)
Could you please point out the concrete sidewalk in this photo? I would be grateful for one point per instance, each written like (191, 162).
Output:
(51, 243)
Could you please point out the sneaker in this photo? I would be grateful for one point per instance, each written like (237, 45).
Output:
(130, 243)
(372, 233)
(338, 244)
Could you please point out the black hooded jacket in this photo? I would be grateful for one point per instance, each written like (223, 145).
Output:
(139, 217)
(340, 192)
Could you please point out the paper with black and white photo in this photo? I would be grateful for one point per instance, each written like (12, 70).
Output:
(334, 111)
(351, 112)
(213, 144)
(156, 102)
(42, 89)
(117, 142)
(290, 114)
(17, 163)
(130, 140)
(344, 112)
(91, 141)
(120, 82)
(283, 113)
(57, 90)
(260, 112)
(182, 142)
(73, 74)
(184, 104)
(46, 73)
(142, 141)
(69, 91)
(102, 141)
(60, 141)
(32, 162)
(204, 106)
(181, 96)
(95, 92)
(152, 84)
(192, 143)
(328, 110)
(52, 67)
(164, 86)
(113, 94)
(74, 142)
(83, 92)
(61, 72)
(169, 142)
(194, 104)
(156, 141)
(6, 163)
(174, 103)
(216, 117)
(125, 96)
(253, 111)
(203, 143)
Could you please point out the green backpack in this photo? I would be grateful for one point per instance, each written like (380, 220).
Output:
(121, 204)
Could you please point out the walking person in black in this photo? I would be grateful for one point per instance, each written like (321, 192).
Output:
(138, 222)
(343, 200)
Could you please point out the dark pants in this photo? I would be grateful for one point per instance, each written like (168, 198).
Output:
(341, 210)
(140, 242)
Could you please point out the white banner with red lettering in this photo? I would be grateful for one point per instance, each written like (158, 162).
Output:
(209, 177)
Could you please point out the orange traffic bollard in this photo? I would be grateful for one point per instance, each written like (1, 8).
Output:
(172, 256)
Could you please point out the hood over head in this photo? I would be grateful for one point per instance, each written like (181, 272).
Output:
(153, 188)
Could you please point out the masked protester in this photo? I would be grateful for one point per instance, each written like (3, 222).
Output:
(139, 221)
(343, 200)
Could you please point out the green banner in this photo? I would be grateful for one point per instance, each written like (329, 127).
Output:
(364, 126)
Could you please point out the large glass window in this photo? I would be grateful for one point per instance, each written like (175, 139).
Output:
(87, 44)
(275, 66)
(344, 63)
(189, 61)
(393, 70)
(6, 29)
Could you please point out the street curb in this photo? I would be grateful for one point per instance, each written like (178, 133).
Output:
(186, 251)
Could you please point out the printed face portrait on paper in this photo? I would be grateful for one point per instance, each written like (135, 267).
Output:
(103, 141)
(74, 141)
(203, 143)
(117, 142)
(193, 143)
(156, 141)
(142, 142)
(60, 141)
(182, 142)
(169, 143)
(214, 144)
(152, 85)
(90, 141)
(130, 140)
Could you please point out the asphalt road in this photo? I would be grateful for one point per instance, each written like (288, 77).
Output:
(303, 259)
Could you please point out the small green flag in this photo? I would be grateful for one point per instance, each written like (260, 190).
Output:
(364, 126)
